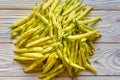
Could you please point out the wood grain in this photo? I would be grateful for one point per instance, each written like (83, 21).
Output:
(109, 25)
(31, 78)
(97, 78)
(107, 54)
(106, 60)
(104, 4)
(67, 78)
(28, 4)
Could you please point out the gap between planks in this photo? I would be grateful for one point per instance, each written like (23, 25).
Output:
(33, 6)
(94, 42)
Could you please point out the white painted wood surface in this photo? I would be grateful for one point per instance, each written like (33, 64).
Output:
(106, 60)
(108, 25)
(28, 4)
(107, 55)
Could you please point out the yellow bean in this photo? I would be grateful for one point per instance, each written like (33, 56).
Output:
(34, 64)
(53, 6)
(69, 4)
(35, 8)
(52, 45)
(85, 35)
(42, 18)
(47, 50)
(84, 28)
(65, 61)
(82, 51)
(90, 20)
(91, 46)
(68, 51)
(32, 55)
(14, 34)
(80, 57)
(56, 38)
(84, 13)
(25, 50)
(51, 56)
(35, 70)
(72, 50)
(71, 8)
(71, 61)
(65, 55)
(87, 52)
(58, 12)
(22, 31)
(24, 35)
(33, 39)
(45, 43)
(46, 31)
(59, 19)
(19, 58)
(89, 67)
(38, 41)
(76, 66)
(76, 52)
(21, 44)
(78, 13)
(71, 17)
(22, 21)
(57, 8)
(59, 52)
(53, 75)
(45, 6)
(79, 8)
(33, 25)
(70, 27)
(54, 21)
(51, 31)
(39, 31)
(49, 66)
(69, 33)
(54, 70)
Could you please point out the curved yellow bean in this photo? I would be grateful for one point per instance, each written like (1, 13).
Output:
(84, 13)
(25, 50)
(85, 35)
(26, 34)
(54, 70)
(42, 18)
(22, 21)
(53, 75)
(32, 55)
(71, 8)
(38, 41)
(19, 58)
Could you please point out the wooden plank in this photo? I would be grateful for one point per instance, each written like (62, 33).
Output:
(106, 60)
(66, 78)
(97, 78)
(104, 4)
(18, 4)
(31, 78)
(109, 26)
(19, 78)
(28, 4)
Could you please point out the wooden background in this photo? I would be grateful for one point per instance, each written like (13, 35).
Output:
(107, 55)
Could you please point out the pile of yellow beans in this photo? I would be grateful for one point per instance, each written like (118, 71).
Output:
(55, 38)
